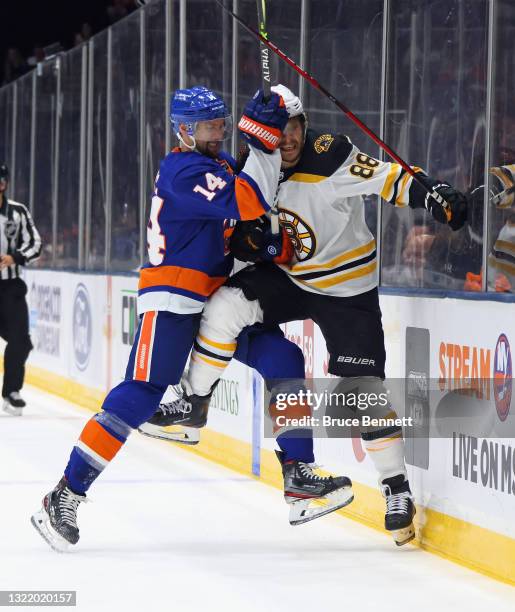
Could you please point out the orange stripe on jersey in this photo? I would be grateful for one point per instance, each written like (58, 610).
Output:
(95, 437)
(143, 359)
(247, 201)
(182, 278)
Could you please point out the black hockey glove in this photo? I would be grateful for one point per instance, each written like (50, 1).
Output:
(254, 241)
(455, 215)
(263, 122)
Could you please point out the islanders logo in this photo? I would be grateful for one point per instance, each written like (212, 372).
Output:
(502, 377)
(82, 330)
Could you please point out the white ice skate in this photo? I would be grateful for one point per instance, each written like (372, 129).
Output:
(14, 404)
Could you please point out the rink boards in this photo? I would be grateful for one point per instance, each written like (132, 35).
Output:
(83, 326)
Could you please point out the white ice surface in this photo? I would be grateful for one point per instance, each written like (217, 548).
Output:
(170, 531)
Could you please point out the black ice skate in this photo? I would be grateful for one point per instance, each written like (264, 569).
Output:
(302, 488)
(14, 404)
(400, 509)
(57, 520)
(186, 415)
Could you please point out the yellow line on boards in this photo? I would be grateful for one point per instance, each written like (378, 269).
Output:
(474, 547)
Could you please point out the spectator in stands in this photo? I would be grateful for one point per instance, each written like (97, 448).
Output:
(38, 55)
(84, 34)
(118, 9)
(15, 65)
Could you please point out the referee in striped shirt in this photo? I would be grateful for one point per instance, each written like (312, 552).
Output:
(19, 244)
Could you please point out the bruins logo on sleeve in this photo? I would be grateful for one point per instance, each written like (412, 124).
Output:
(322, 143)
(300, 234)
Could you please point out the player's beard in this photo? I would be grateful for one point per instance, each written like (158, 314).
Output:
(209, 148)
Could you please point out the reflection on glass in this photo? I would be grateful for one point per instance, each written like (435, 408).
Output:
(156, 121)
(67, 239)
(125, 122)
(501, 217)
(501, 260)
(46, 115)
(435, 119)
(96, 219)
(344, 53)
(23, 126)
(6, 106)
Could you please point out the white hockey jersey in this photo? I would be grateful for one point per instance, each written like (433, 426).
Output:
(321, 207)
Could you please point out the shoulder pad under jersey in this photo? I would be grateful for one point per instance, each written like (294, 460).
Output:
(323, 153)
(187, 165)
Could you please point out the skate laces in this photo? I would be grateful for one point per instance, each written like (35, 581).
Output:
(178, 406)
(68, 504)
(397, 502)
(307, 470)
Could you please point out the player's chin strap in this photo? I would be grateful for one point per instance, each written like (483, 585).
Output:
(192, 147)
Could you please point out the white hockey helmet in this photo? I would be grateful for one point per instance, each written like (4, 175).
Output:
(291, 101)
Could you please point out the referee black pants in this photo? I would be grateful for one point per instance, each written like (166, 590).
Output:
(14, 329)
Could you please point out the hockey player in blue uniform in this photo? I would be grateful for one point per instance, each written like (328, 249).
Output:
(196, 196)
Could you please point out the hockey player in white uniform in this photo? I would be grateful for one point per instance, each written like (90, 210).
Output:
(332, 279)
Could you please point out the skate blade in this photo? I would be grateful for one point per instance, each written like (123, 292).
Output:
(41, 522)
(7, 408)
(181, 434)
(305, 510)
(403, 536)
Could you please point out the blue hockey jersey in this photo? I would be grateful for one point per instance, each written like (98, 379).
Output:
(196, 202)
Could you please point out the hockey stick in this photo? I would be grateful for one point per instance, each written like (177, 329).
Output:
(264, 60)
(263, 49)
(362, 126)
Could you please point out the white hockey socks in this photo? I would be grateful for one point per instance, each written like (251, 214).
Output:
(227, 312)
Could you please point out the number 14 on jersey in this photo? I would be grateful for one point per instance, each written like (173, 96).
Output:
(213, 183)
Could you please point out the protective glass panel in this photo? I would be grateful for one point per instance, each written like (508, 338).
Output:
(68, 188)
(20, 178)
(435, 119)
(156, 102)
(97, 189)
(46, 150)
(501, 207)
(6, 119)
(344, 54)
(209, 57)
(283, 19)
(125, 122)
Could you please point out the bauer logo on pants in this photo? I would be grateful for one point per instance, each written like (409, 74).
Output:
(82, 327)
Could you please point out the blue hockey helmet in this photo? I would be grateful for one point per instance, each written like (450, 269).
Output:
(190, 106)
